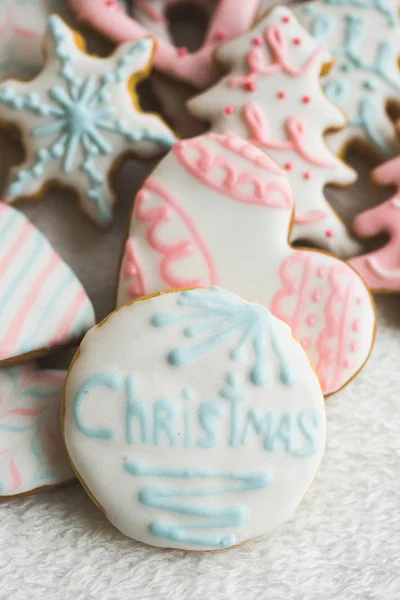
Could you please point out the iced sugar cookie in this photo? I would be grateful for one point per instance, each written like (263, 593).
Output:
(22, 26)
(217, 210)
(364, 37)
(32, 455)
(78, 119)
(272, 96)
(230, 18)
(42, 303)
(381, 269)
(187, 461)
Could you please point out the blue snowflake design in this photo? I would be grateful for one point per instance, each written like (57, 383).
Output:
(79, 113)
(350, 57)
(218, 316)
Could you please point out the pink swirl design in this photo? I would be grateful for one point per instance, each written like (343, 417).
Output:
(172, 252)
(256, 60)
(133, 271)
(297, 141)
(201, 161)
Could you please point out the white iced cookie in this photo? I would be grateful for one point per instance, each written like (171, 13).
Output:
(217, 210)
(364, 38)
(22, 27)
(272, 96)
(194, 420)
(32, 455)
(79, 117)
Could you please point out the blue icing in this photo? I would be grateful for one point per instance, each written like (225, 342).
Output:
(167, 498)
(109, 380)
(380, 6)
(78, 113)
(219, 316)
(367, 120)
(338, 90)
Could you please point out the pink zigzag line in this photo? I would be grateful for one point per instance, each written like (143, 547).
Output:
(209, 161)
(258, 125)
(157, 217)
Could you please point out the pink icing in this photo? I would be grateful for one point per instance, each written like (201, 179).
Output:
(246, 186)
(296, 127)
(258, 66)
(199, 69)
(381, 269)
(172, 252)
(133, 271)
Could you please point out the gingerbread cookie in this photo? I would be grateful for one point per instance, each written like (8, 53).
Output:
(230, 18)
(42, 303)
(78, 119)
(364, 37)
(22, 27)
(381, 269)
(217, 210)
(181, 460)
(272, 97)
(32, 455)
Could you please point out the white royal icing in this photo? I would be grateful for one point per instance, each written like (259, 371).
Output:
(42, 302)
(272, 96)
(32, 453)
(217, 210)
(364, 38)
(77, 118)
(194, 419)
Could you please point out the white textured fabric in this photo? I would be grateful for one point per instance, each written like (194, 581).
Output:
(343, 543)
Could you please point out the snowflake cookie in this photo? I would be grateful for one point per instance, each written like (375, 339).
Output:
(217, 210)
(364, 37)
(42, 303)
(272, 96)
(22, 27)
(221, 446)
(78, 118)
(32, 455)
(381, 269)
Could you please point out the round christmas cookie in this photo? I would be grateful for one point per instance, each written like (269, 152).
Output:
(194, 419)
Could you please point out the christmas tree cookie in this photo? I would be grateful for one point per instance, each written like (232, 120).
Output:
(272, 97)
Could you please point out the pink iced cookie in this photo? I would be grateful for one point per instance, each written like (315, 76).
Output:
(272, 96)
(42, 303)
(217, 210)
(32, 455)
(230, 18)
(381, 269)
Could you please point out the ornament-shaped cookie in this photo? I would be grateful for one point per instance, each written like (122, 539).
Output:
(184, 460)
(217, 210)
(32, 455)
(42, 303)
(272, 97)
(78, 118)
(381, 269)
(364, 38)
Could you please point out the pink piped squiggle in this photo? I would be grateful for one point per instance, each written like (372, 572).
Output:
(133, 271)
(310, 217)
(172, 252)
(258, 125)
(206, 165)
(256, 60)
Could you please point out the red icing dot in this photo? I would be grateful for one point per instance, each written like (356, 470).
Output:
(307, 175)
(229, 110)
(251, 86)
(285, 19)
(347, 363)
(359, 301)
(329, 233)
(220, 35)
(306, 99)
(353, 346)
(321, 272)
(297, 41)
(305, 343)
(355, 325)
(281, 95)
(311, 320)
(183, 51)
(288, 166)
(316, 295)
(258, 41)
